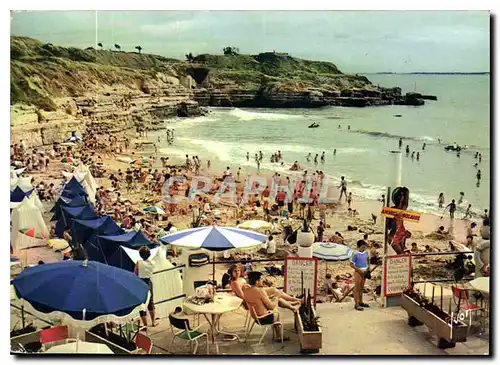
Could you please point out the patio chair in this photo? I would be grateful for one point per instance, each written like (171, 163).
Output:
(143, 343)
(54, 336)
(265, 321)
(186, 333)
(464, 303)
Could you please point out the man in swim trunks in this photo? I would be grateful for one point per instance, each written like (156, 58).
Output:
(259, 304)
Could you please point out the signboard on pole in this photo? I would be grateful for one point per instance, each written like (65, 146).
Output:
(406, 215)
(301, 273)
(397, 274)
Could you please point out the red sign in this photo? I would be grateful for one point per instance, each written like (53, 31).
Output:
(301, 272)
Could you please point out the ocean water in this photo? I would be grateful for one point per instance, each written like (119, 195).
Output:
(461, 115)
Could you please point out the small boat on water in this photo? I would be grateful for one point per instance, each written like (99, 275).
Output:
(314, 125)
(452, 148)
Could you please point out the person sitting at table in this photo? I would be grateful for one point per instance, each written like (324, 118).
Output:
(261, 305)
(238, 283)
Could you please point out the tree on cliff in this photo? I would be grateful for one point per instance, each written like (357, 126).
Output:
(189, 57)
(100, 45)
(138, 48)
(118, 48)
(231, 51)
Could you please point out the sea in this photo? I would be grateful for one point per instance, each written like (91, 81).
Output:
(363, 139)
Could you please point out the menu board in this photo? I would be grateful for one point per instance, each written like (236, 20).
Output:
(397, 274)
(300, 270)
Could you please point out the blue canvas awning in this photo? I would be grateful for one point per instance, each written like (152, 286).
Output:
(109, 244)
(70, 213)
(82, 230)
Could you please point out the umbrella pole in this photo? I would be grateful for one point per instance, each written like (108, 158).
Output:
(213, 267)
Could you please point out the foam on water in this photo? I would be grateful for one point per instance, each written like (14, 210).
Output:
(248, 115)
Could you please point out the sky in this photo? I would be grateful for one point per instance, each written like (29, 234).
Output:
(356, 41)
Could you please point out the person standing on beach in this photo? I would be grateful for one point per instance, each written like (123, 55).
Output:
(423, 147)
(400, 143)
(316, 159)
(453, 208)
(441, 200)
(349, 200)
(468, 213)
(144, 268)
(248, 156)
(343, 188)
(334, 151)
(418, 156)
(478, 176)
(359, 262)
(412, 155)
(323, 157)
(407, 150)
(320, 230)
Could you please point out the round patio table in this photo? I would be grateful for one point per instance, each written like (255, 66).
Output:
(212, 312)
(481, 284)
(80, 347)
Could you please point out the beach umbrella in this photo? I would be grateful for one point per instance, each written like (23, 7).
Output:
(215, 238)
(331, 251)
(80, 347)
(67, 160)
(154, 210)
(256, 224)
(31, 232)
(85, 293)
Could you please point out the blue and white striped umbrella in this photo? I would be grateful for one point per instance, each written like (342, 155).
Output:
(331, 251)
(214, 238)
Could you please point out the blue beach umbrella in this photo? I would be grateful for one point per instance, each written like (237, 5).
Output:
(331, 251)
(86, 293)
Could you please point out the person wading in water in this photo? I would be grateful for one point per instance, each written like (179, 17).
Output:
(343, 188)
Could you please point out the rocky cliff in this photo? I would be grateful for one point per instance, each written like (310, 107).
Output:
(56, 90)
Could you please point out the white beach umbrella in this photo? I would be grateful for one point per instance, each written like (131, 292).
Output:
(331, 251)
(256, 224)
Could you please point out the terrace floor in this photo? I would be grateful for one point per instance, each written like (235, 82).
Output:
(375, 331)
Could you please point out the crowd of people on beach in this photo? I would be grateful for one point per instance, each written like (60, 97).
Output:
(125, 190)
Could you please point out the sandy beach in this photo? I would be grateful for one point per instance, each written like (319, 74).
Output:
(338, 217)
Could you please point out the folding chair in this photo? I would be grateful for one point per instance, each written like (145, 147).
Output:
(54, 336)
(143, 343)
(186, 333)
(265, 321)
(464, 303)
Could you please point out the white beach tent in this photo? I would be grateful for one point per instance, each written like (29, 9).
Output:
(81, 178)
(23, 182)
(27, 215)
(82, 168)
(167, 281)
(33, 198)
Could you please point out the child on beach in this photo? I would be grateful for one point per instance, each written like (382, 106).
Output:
(349, 200)
(360, 264)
